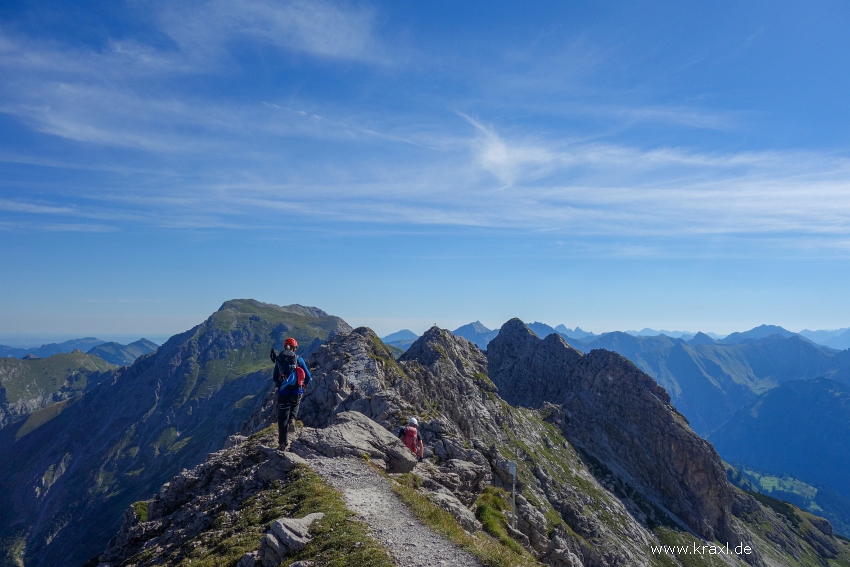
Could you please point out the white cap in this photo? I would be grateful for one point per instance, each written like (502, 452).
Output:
(412, 421)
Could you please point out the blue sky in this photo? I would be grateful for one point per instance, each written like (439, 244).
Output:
(613, 165)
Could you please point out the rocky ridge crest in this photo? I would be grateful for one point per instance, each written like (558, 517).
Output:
(630, 468)
(607, 467)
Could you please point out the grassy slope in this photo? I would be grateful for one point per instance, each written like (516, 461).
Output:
(122, 355)
(493, 549)
(338, 539)
(24, 379)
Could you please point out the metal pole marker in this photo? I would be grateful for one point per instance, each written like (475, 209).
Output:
(512, 469)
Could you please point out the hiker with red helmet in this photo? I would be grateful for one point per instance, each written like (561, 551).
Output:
(409, 434)
(291, 375)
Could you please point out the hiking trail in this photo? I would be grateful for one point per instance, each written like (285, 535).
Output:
(393, 525)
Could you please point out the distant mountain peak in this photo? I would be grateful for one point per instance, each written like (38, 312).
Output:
(475, 327)
(702, 339)
(542, 330)
(476, 333)
(253, 306)
(403, 335)
(760, 332)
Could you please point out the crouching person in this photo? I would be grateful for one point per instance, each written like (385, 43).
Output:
(409, 434)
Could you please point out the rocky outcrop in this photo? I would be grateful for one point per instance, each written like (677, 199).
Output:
(188, 504)
(352, 434)
(620, 416)
(286, 536)
(603, 463)
(198, 507)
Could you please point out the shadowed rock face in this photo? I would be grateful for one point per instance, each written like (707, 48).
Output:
(618, 414)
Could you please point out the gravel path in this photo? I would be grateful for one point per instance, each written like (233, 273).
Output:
(393, 524)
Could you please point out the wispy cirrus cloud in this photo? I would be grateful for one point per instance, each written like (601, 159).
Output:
(215, 161)
(134, 95)
(319, 28)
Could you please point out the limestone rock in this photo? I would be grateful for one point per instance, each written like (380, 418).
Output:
(286, 537)
(279, 463)
(248, 560)
(294, 533)
(559, 555)
(354, 434)
(464, 516)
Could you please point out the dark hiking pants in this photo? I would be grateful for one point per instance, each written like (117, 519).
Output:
(287, 409)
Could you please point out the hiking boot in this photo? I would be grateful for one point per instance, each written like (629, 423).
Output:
(291, 427)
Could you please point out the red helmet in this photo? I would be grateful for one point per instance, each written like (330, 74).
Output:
(291, 342)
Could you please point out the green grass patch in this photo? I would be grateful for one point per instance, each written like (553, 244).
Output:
(481, 377)
(782, 508)
(243, 401)
(141, 509)
(64, 372)
(385, 355)
(489, 509)
(166, 439)
(489, 551)
(179, 444)
(338, 539)
(41, 416)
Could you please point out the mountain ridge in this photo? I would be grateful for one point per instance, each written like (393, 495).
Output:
(451, 386)
(588, 495)
(123, 355)
(164, 412)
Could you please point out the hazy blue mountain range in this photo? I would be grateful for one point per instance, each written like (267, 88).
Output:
(44, 351)
(801, 428)
(122, 355)
(403, 335)
(576, 333)
(821, 336)
(647, 332)
(708, 381)
(65, 484)
(838, 339)
(755, 333)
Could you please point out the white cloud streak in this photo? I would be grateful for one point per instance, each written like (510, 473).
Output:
(315, 27)
(235, 167)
